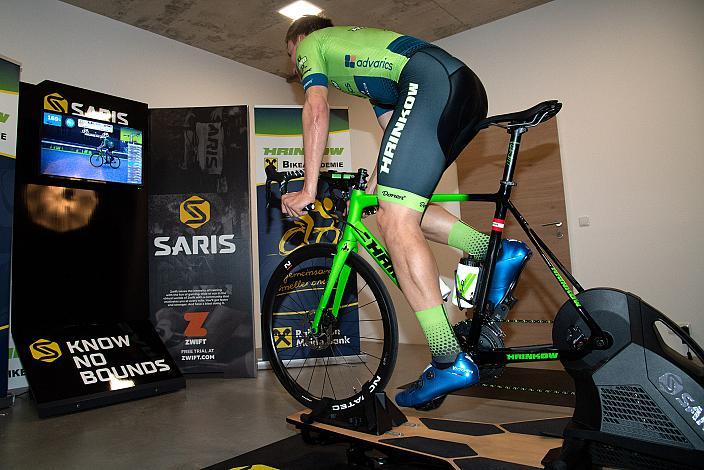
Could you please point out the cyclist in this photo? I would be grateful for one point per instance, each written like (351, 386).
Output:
(106, 144)
(427, 102)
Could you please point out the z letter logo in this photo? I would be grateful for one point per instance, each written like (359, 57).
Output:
(55, 102)
(44, 350)
(195, 211)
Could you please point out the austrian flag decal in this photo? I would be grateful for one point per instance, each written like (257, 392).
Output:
(498, 225)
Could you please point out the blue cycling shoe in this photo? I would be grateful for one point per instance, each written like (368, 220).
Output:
(435, 382)
(513, 256)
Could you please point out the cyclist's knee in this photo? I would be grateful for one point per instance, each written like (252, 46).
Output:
(394, 218)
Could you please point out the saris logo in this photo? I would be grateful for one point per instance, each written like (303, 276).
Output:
(44, 350)
(56, 103)
(195, 211)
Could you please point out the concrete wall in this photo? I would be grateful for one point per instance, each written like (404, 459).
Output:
(630, 77)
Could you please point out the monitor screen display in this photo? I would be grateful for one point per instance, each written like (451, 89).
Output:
(90, 147)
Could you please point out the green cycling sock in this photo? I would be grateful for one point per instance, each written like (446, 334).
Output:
(469, 240)
(441, 338)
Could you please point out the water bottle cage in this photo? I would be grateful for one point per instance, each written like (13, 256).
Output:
(460, 297)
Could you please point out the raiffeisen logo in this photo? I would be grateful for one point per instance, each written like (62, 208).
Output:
(44, 350)
(56, 103)
(195, 211)
(351, 61)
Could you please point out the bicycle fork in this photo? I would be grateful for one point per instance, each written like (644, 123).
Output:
(353, 235)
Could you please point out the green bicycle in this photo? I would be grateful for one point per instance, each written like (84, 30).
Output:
(329, 325)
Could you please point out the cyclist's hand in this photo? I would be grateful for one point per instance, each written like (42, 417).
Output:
(292, 204)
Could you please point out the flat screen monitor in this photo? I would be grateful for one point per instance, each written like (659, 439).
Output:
(90, 148)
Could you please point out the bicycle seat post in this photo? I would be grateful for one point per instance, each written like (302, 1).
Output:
(511, 157)
(482, 310)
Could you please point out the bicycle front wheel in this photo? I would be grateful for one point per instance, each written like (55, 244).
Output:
(115, 163)
(351, 354)
(96, 160)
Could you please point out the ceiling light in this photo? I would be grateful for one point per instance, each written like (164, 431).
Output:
(299, 8)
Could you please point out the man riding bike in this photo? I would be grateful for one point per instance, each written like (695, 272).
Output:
(106, 145)
(427, 103)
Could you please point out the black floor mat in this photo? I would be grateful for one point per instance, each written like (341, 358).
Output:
(293, 453)
(430, 446)
(482, 463)
(540, 427)
(543, 386)
(461, 427)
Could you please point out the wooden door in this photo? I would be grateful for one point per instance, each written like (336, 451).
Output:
(539, 196)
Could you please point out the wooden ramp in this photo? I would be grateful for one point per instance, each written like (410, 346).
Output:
(462, 445)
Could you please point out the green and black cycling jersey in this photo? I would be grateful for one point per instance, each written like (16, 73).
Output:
(435, 98)
(364, 62)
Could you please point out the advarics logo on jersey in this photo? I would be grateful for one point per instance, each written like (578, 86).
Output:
(351, 61)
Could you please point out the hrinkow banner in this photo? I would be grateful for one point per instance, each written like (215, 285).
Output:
(9, 100)
(279, 143)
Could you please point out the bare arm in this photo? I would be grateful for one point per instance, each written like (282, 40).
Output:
(316, 119)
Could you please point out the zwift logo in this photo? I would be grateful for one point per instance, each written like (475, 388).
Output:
(45, 351)
(195, 211)
(350, 60)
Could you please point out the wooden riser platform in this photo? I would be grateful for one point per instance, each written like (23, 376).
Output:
(462, 445)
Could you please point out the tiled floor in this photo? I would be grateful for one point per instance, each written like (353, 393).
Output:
(211, 421)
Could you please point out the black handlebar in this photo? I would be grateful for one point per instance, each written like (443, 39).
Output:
(339, 185)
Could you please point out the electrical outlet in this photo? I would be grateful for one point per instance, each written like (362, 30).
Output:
(584, 221)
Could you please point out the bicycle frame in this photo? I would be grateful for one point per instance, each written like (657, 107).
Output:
(356, 233)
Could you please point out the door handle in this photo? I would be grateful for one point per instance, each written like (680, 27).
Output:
(557, 225)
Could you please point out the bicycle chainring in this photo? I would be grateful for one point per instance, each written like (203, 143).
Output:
(491, 337)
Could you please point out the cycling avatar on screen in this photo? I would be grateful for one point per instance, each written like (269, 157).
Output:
(105, 148)
(423, 97)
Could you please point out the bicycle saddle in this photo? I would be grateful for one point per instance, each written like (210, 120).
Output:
(530, 117)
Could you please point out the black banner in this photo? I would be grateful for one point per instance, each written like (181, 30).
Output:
(199, 230)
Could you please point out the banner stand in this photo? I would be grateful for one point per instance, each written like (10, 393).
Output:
(9, 99)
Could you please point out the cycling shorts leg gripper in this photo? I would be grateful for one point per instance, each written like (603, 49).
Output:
(405, 198)
(466, 238)
(441, 338)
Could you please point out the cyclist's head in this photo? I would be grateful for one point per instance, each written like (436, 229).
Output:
(301, 28)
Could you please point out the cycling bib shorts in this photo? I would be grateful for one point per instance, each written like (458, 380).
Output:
(436, 101)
